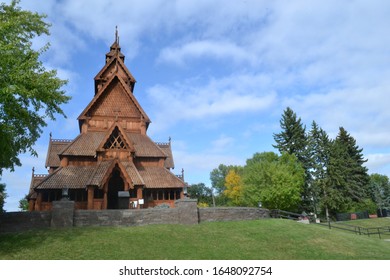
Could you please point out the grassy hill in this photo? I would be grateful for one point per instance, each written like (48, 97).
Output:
(245, 240)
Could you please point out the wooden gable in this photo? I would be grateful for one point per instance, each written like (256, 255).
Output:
(115, 66)
(115, 102)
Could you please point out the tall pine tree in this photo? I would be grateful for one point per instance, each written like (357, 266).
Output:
(356, 174)
(347, 179)
(319, 152)
(293, 140)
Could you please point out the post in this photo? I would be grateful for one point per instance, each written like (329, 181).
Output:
(62, 213)
(188, 211)
(90, 197)
(139, 196)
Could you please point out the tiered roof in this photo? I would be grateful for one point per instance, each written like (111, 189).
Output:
(113, 104)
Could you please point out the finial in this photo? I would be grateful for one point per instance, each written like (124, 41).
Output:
(169, 139)
(50, 135)
(33, 171)
(116, 34)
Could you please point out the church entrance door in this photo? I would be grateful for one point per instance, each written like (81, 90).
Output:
(115, 185)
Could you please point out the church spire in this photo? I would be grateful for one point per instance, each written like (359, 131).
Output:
(116, 35)
(115, 49)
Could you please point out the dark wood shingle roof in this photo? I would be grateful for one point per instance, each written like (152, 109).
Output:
(159, 177)
(55, 148)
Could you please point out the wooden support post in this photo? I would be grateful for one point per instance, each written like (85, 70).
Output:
(90, 197)
(139, 196)
(38, 202)
(105, 201)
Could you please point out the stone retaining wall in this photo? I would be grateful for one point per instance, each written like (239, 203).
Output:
(231, 214)
(64, 215)
(125, 217)
(21, 221)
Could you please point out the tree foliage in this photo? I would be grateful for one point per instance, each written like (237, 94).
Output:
(201, 192)
(294, 140)
(275, 181)
(23, 203)
(3, 196)
(29, 94)
(234, 187)
(319, 146)
(379, 190)
(335, 175)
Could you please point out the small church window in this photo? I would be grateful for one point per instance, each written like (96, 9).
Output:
(115, 141)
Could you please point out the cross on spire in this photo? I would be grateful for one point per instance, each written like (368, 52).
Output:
(116, 35)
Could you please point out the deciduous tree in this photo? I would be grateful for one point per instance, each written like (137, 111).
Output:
(275, 181)
(234, 187)
(29, 94)
(3, 196)
(201, 192)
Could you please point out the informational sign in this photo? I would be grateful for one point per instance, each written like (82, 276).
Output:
(140, 201)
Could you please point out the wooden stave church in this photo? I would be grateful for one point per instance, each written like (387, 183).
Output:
(112, 154)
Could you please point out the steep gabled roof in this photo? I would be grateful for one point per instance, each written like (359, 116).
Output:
(105, 91)
(79, 177)
(166, 148)
(72, 177)
(144, 146)
(55, 148)
(85, 144)
(117, 62)
(159, 177)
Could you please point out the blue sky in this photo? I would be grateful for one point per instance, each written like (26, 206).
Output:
(216, 75)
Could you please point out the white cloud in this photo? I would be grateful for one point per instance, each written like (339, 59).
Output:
(222, 143)
(378, 163)
(361, 111)
(193, 101)
(221, 50)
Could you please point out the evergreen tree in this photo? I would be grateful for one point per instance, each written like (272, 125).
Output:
(347, 179)
(293, 140)
(356, 174)
(319, 153)
(379, 190)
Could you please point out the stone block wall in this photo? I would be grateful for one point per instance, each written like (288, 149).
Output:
(214, 214)
(21, 221)
(186, 211)
(125, 217)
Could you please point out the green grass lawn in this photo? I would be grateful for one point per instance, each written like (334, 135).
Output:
(368, 223)
(245, 240)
